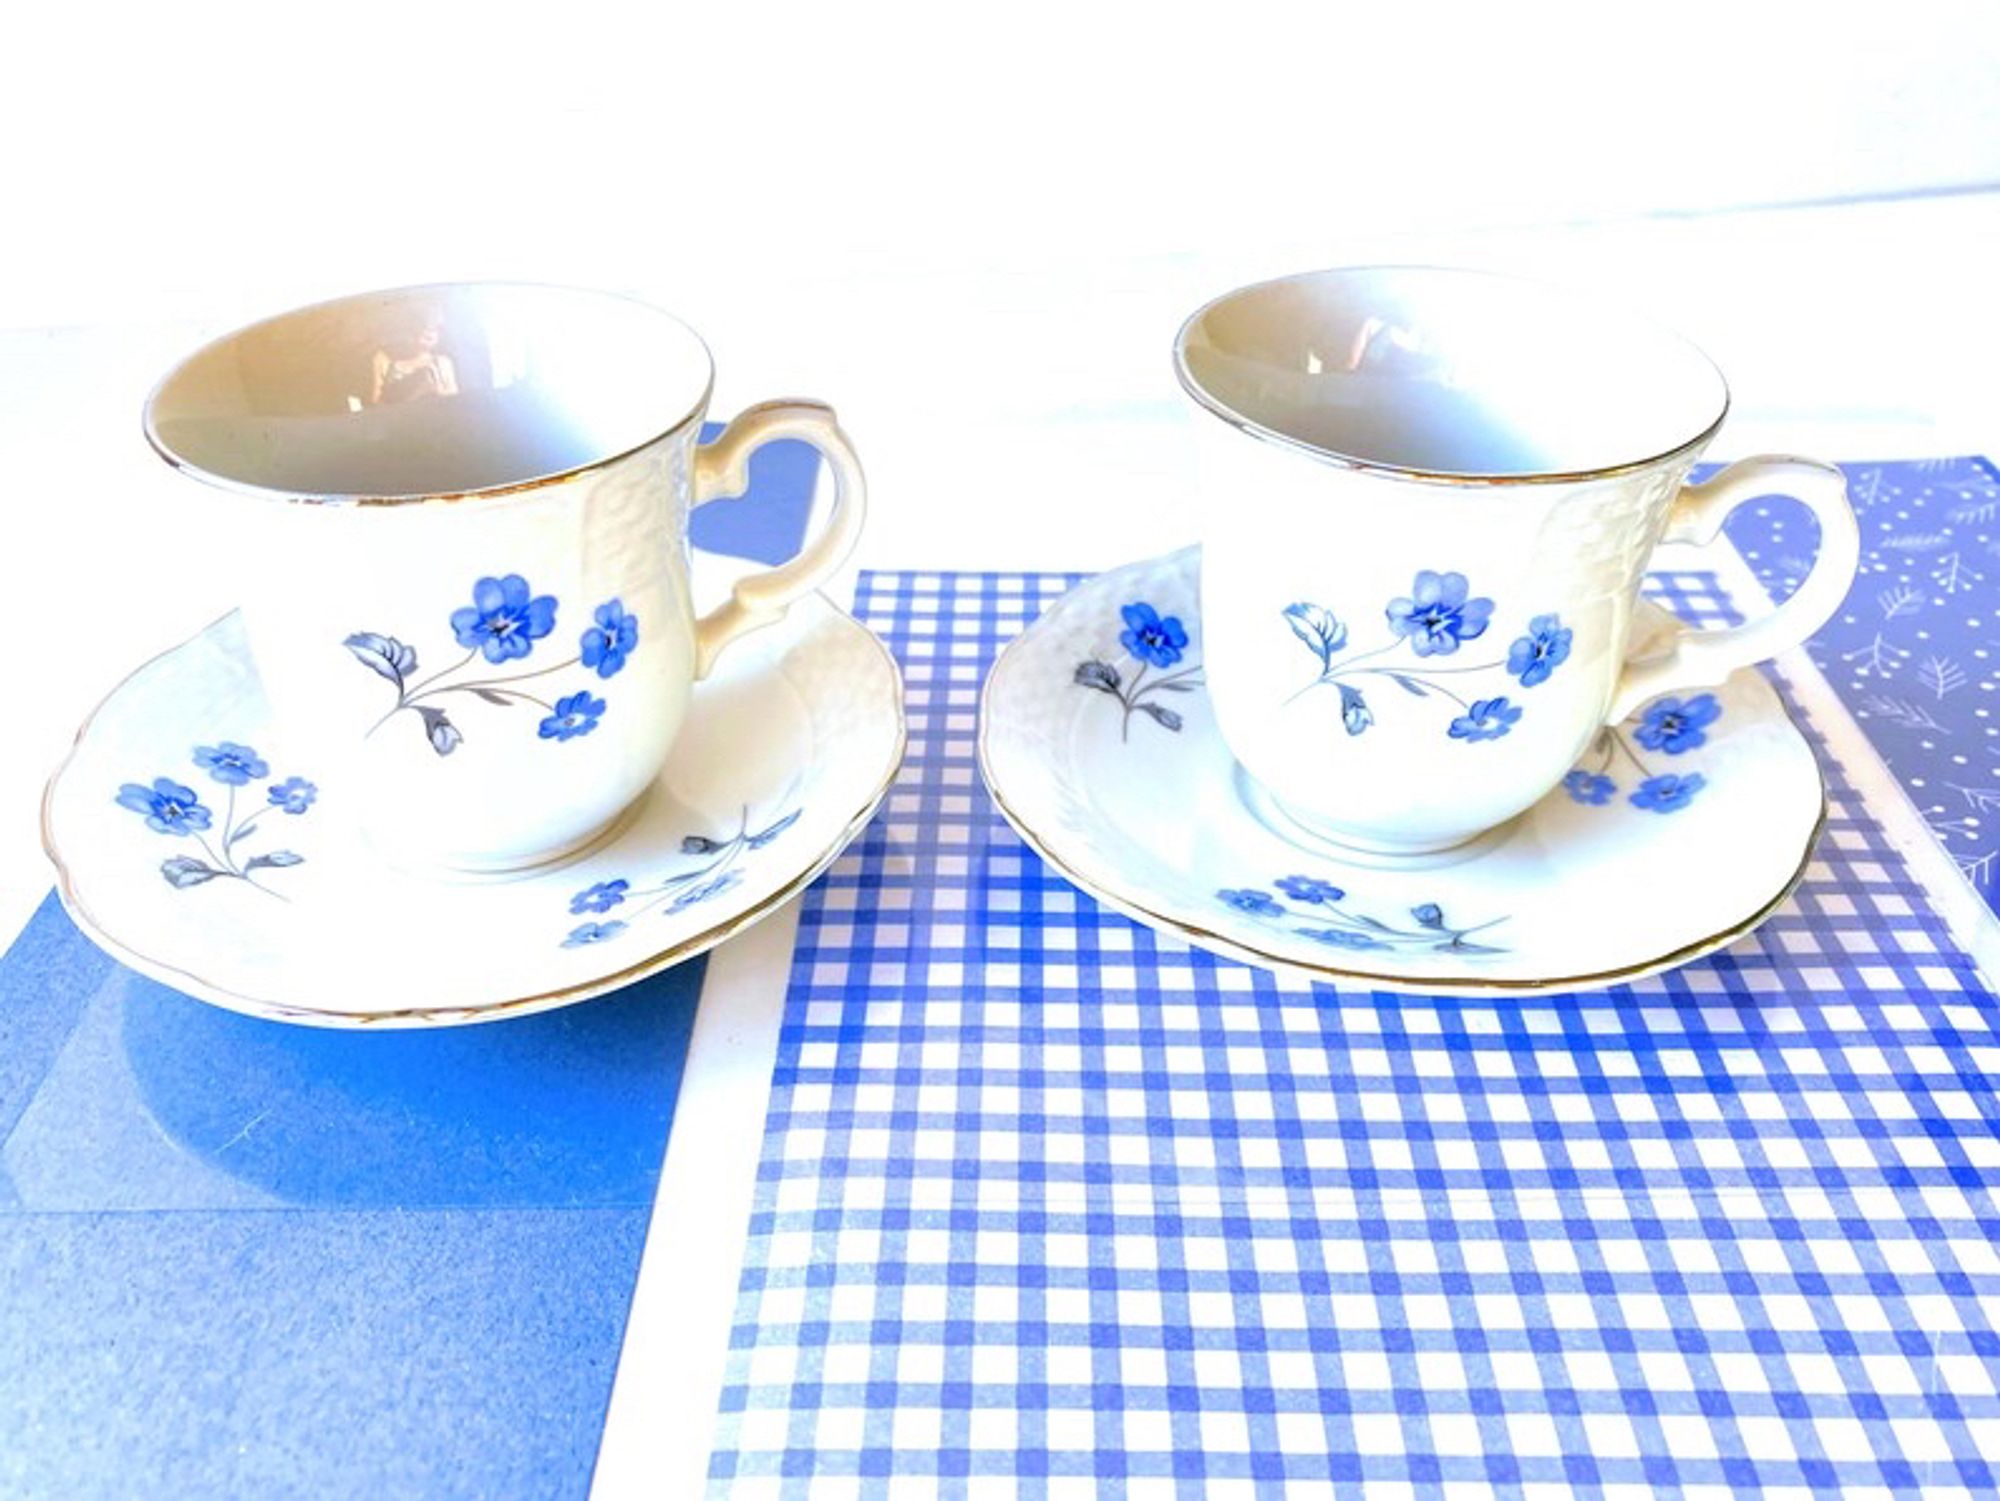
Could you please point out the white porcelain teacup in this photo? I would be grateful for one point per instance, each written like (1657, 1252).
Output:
(1430, 499)
(469, 602)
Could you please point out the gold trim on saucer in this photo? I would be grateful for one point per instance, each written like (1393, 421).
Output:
(1408, 984)
(417, 1016)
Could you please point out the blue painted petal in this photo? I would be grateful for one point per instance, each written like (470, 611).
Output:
(490, 594)
(514, 591)
(135, 797)
(541, 617)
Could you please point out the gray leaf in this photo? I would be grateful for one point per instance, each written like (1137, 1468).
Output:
(699, 844)
(1316, 626)
(384, 655)
(275, 858)
(495, 698)
(1165, 716)
(759, 840)
(1099, 675)
(1409, 685)
(184, 871)
(443, 734)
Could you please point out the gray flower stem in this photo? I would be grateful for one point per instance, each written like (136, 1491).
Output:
(1352, 668)
(1129, 697)
(245, 827)
(410, 695)
(724, 858)
(1618, 743)
(432, 686)
(478, 683)
(1332, 915)
(223, 864)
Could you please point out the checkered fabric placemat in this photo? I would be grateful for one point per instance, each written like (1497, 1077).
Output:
(1050, 1204)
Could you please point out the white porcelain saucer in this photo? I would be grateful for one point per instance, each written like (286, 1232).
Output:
(188, 848)
(1679, 831)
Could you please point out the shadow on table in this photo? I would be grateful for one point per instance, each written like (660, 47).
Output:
(567, 1107)
(119, 1094)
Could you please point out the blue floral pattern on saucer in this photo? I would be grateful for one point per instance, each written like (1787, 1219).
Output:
(1321, 917)
(1672, 726)
(501, 625)
(1438, 616)
(1153, 641)
(176, 810)
(719, 870)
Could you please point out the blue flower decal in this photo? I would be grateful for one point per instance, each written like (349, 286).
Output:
(230, 763)
(1589, 787)
(1340, 938)
(719, 871)
(1309, 889)
(503, 622)
(607, 643)
(1437, 615)
(1257, 903)
(1486, 719)
(575, 715)
(1667, 794)
(293, 795)
(600, 898)
(1675, 725)
(1151, 636)
(1540, 652)
(169, 807)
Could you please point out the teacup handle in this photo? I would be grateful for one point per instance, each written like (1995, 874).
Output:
(1703, 659)
(722, 468)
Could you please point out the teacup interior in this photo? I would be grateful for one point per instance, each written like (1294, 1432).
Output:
(1450, 373)
(430, 391)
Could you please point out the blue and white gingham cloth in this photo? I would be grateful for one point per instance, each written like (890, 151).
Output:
(1052, 1205)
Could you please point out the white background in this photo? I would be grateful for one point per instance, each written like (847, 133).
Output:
(974, 231)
